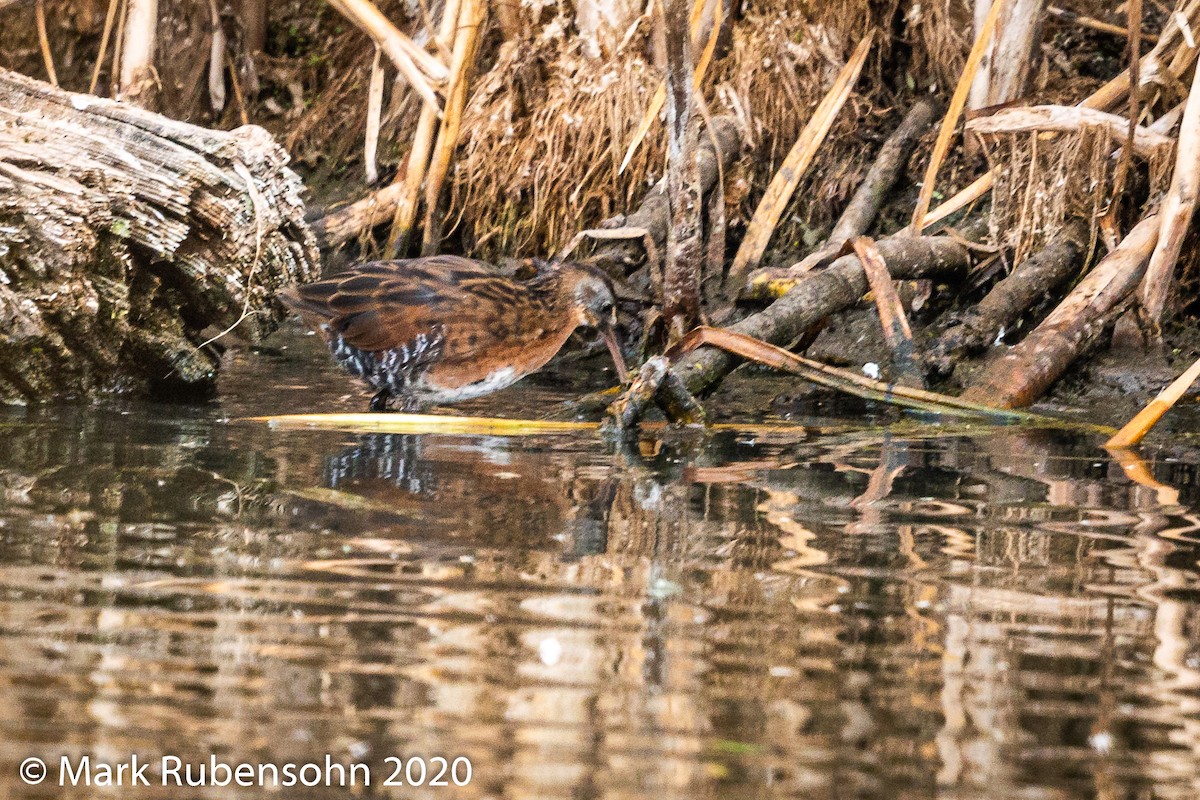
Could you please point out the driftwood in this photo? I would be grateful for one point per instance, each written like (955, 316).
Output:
(127, 239)
(1032, 281)
(823, 293)
(1026, 371)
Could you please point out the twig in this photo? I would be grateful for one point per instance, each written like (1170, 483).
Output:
(950, 121)
(39, 13)
(1137, 428)
(1095, 24)
(1126, 154)
(761, 352)
(236, 83)
(660, 94)
(109, 18)
(822, 293)
(471, 17)
(420, 72)
(783, 185)
(868, 199)
(114, 78)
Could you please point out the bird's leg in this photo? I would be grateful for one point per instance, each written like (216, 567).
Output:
(411, 405)
(381, 399)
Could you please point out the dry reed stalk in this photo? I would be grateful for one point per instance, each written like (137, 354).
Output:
(476, 426)
(415, 166)
(39, 14)
(1002, 73)
(374, 112)
(887, 300)
(417, 162)
(660, 93)
(1125, 153)
(1136, 429)
(1071, 119)
(842, 380)
(421, 71)
(957, 101)
(216, 60)
(138, 77)
(470, 22)
(109, 18)
(783, 185)
(1177, 210)
(896, 330)
(118, 46)
(426, 423)
(238, 97)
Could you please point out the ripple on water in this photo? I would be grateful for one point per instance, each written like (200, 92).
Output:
(843, 614)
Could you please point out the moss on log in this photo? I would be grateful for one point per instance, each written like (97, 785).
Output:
(127, 239)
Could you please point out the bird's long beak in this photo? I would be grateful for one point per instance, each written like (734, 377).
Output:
(614, 347)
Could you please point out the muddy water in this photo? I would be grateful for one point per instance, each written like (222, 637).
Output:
(841, 610)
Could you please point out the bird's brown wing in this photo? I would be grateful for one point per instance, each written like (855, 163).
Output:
(383, 305)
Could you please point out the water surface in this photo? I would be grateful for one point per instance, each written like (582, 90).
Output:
(852, 607)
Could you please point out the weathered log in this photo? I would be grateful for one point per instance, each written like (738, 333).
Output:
(821, 294)
(1033, 280)
(127, 239)
(1026, 371)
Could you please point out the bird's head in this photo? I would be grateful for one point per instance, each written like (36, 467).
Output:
(594, 304)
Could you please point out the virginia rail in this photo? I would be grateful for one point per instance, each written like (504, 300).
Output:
(441, 329)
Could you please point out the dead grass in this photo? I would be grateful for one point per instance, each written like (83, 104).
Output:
(543, 135)
(1043, 180)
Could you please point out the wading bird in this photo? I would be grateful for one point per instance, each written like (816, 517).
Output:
(442, 329)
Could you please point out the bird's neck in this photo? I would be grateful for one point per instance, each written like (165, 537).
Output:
(548, 287)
